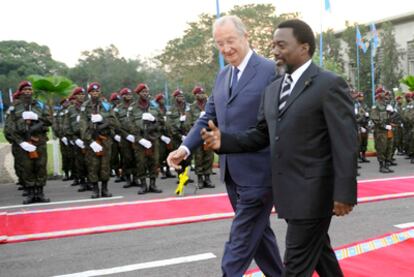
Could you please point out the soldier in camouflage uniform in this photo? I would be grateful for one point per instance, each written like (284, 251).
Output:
(26, 125)
(14, 149)
(123, 113)
(408, 121)
(165, 145)
(362, 118)
(146, 123)
(97, 124)
(116, 155)
(399, 128)
(72, 126)
(65, 147)
(203, 158)
(383, 136)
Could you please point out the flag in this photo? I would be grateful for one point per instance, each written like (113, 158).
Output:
(359, 41)
(374, 34)
(327, 6)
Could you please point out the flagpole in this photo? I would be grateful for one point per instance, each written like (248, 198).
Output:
(357, 52)
(372, 72)
(221, 60)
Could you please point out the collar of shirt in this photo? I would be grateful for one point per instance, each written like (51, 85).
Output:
(243, 64)
(297, 73)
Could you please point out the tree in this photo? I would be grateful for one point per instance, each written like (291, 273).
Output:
(193, 59)
(51, 89)
(332, 58)
(389, 58)
(19, 59)
(408, 81)
(107, 67)
(363, 83)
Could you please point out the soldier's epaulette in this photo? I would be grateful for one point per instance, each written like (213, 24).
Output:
(168, 113)
(106, 106)
(116, 110)
(374, 107)
(83, 108)
(129, 108)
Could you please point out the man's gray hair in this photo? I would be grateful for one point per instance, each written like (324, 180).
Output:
(240, 27)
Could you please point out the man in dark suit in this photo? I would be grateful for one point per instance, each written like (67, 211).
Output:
(307, 118)
(234, 104)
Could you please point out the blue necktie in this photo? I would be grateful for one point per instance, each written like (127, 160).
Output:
(234, 80)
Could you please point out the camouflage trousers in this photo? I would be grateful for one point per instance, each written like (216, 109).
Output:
(383, 145)
(203, 161)
(129, 157)
(33, 170)
(147, 160)
(67, 156)
(116, 156)
(99, 166)
(80, 169)
(18, 167)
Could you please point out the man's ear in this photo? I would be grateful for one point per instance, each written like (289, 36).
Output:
(305, 48)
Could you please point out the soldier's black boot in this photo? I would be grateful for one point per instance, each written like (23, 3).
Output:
(66, 177)
(40, 196)
(364, 158)
(207, 182)
(153, 186)
(392, 163)
(128, 181)
(387, 166)
(30, 196)
(382, 167)
(200, 181)
(76, 182)
(119, 178)
(163, 172)
(83, 185)
(104, 189)
(143, 186)
(95, 190)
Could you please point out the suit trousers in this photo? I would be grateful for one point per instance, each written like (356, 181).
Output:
(308, 248)
(250, 234)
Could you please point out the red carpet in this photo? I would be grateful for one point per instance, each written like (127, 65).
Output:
(386, 256)
(61, 222)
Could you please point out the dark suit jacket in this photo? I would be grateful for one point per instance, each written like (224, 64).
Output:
(313, 144)
(239, 113)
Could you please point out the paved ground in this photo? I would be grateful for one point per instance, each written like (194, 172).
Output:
(155, 245)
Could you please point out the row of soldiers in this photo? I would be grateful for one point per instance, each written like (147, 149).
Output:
(127, 135)
(392, 121)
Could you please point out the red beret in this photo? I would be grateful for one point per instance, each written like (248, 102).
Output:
(94, 86)
(63, 101)
(159, 96)
(408, 95)
(114, 96)
(16, 95)
(379, 90)
(124, 91)
(198, 90)
(378, 96)
(177, 92)
(140, 87)
(23, 84)
(398, 97)
(78, 90)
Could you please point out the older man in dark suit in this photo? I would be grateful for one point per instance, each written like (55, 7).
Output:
(307, 118)
(234, 104)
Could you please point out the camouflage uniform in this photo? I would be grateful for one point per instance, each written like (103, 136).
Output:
(165, 144)
(383, 135)
(66, 149)
(123, 113)
(72, 126)
(97, 137)
(31, 132)
(146, 124)
(362, 118)
(116, 155)
(203, 159)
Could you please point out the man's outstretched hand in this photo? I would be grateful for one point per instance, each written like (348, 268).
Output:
(211, 136)
(175, 157)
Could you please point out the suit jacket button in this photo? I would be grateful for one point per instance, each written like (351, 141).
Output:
(277, 138)
(279, 119)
